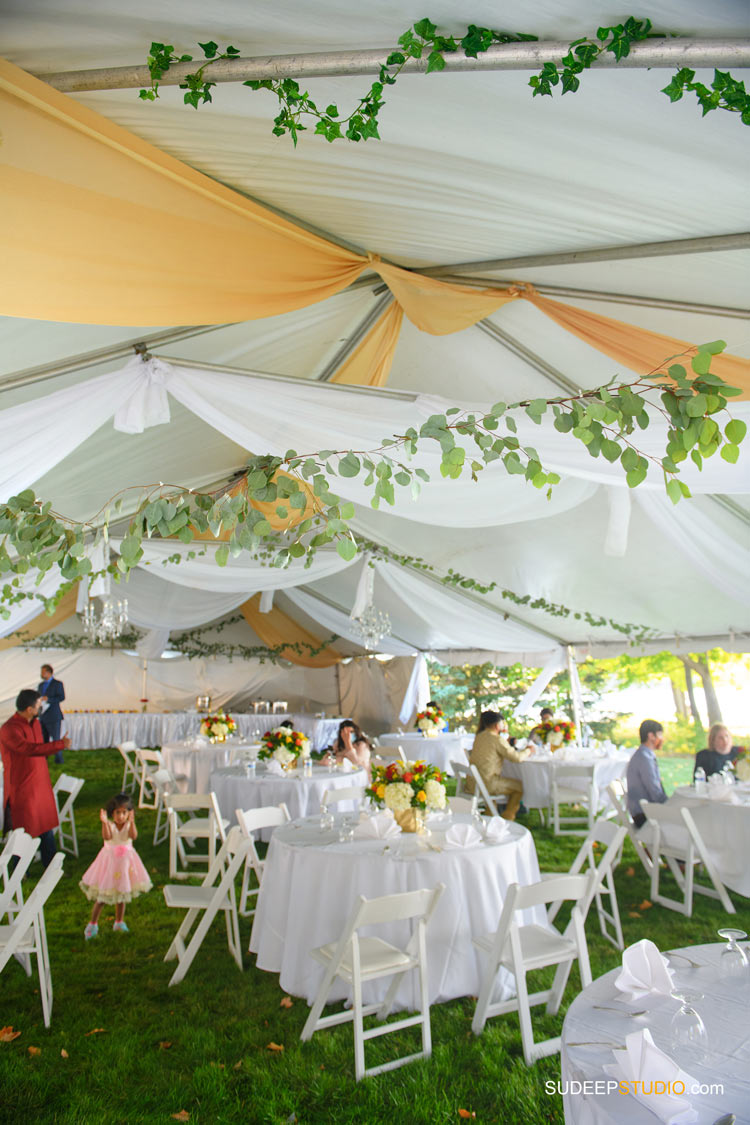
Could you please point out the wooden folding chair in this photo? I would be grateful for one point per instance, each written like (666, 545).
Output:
(612, 836)
(677, 839)
(523, 948)
(249, 821)
(216, 893)
(26, 935)
(67, 838)
(359, 960)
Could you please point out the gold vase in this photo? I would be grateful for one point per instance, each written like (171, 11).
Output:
(410, 820)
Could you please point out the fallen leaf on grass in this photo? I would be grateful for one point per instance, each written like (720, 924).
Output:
(286, 1002)
(630, 872)
(164, 1044)
(34, 1050)
(220, 1066)
(183, 1115)
(64, 1054)
(95, 1031)
(274, 1046)
(645, 905)
(7, 1034)
(633, 914)
(466, 1113)
(237, 1065)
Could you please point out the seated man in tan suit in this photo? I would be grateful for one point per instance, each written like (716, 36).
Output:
(487, 754)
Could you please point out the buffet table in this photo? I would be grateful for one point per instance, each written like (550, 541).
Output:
(311, 882)
(92, 730)
(590, 1033)
(439, 751)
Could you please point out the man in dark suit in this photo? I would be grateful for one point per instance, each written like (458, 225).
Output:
(53, 692)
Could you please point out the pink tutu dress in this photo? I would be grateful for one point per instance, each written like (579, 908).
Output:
(117, 874)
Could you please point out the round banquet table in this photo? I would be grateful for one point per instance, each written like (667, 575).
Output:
(724, 826)
(301, 795)
(536, 774)
(439, 751)
(727, 1061)
(311, 882)
(192, 762)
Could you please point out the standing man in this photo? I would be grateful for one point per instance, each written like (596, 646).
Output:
(643, 777)
(29, 800)
(51, 717)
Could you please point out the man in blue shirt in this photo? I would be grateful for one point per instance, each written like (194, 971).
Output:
(51, 718)
(643, 777)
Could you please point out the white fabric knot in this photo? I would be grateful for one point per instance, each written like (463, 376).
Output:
(148, 404)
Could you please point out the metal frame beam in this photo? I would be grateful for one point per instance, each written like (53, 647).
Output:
(653, 53)
(518, 349)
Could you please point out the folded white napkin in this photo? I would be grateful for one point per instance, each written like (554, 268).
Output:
(346, 766)
(497, 829)
(462, 836)
(382, 826)
(644, 970)
(642, 1062)
(274, 768)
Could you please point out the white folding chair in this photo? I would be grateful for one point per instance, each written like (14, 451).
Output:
(617, 790)
(210, 827)
(359, 960)
(563, 793)
(461, 773)
(26, 935)
(149, 761)
(253, 820)
(676, 838)
(130, 770)
(215, 893)
(22, 848)
(165, 783)
(336, 796)
(523, 948)
(483, 793)
(401, 754)
(66, 828)
(612, 837)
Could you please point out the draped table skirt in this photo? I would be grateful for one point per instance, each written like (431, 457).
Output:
(92, 730)
(536, 775)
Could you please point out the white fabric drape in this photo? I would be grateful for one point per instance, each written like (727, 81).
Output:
(340, 623)
(156, 603)
(555, 664)
(620, 507)
(417, 691)
(152, 645)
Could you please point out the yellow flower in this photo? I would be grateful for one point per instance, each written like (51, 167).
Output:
(381, 791)
(421, 796)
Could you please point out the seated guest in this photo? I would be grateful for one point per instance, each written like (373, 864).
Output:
(719, 752)
(545, 716)
(351, 743)
(488, 753)
(643, 777)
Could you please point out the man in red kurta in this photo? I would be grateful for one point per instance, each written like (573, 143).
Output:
(30, 802)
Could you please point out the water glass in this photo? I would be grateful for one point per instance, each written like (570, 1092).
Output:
(687, 1027)
(346, 830)
(250, 768)
(326, 818)
(307, 767)
(734, 961)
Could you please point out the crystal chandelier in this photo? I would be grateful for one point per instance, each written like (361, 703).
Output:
(372, 625)
(109, 624)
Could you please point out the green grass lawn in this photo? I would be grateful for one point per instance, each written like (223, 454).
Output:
(138, 1051)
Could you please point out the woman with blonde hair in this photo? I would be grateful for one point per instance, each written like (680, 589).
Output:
(720, 751)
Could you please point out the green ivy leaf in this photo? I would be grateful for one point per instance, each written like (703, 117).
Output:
(347, 548)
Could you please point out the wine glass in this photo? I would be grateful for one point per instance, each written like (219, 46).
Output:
(326, 818)
(733, 959)
(687, 1028)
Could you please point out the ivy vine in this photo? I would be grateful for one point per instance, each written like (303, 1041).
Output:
(607, 419)
(423, 40)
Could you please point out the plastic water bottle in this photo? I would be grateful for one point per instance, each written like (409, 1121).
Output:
(700, 782)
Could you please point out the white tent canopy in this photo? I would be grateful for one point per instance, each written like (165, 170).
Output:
(471, 168)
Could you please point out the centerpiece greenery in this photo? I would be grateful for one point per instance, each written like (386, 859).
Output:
(284, 745)
(409, 790)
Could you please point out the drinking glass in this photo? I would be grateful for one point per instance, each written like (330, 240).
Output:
(326, 818)
(733, 958)
(307, 767)
(250, 767)
(687, 1027)
(346, 830)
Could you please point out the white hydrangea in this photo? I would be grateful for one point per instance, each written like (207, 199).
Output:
(305, 748)
(398, 796)
(427, 725)
(434, 791)
(283, 756)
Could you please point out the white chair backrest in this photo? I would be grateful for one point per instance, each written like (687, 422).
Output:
(483, 791)
(230, 856)
(23, 847)
(461, 773)
(128, 745)
(664, 813)
(270, 816)
(462, 804)
(149, 757)
(334, 796)
(66, 784)
(566, 887)
(570, 769)
(193, 802)
(31, 908)
(396, 908)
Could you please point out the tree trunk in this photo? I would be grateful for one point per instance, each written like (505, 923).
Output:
(702, 667)
(678, 695)
(691, 693)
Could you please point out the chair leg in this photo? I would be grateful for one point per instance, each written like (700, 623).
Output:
(359, 1030)
(524, 1013)
(485, 993)
(424, 993)
(318, 1004)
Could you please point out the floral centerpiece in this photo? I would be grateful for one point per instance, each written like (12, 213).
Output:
(218, 726)
(408, 789)
(554, 734)
(430, 721)
(284, 745)
(742, 765)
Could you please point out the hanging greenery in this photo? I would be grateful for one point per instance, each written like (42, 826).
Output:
(309, 515)
(423, 40)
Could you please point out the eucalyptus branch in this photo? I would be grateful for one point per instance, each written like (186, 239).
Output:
(361, 123)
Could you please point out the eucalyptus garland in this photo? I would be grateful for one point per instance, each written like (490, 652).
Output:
(299, 486)
(423, 40)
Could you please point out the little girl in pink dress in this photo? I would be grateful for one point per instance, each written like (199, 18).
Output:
(117, 874)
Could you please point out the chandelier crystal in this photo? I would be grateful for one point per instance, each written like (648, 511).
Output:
(107, 626)
(372, 625)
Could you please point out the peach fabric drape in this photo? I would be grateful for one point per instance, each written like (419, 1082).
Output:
(276, 628)
(369, 365)
(43, 623)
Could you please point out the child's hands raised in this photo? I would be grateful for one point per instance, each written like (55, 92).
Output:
(102, 816)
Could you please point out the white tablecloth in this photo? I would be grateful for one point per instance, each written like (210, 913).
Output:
(311, 882)
(725, 830)
(301, 795)
(192, 762)
(439, 751)
(536, 775)
(724, 1013)
(94, 729)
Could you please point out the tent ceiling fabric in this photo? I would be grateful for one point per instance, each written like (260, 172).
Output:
(471, 168)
